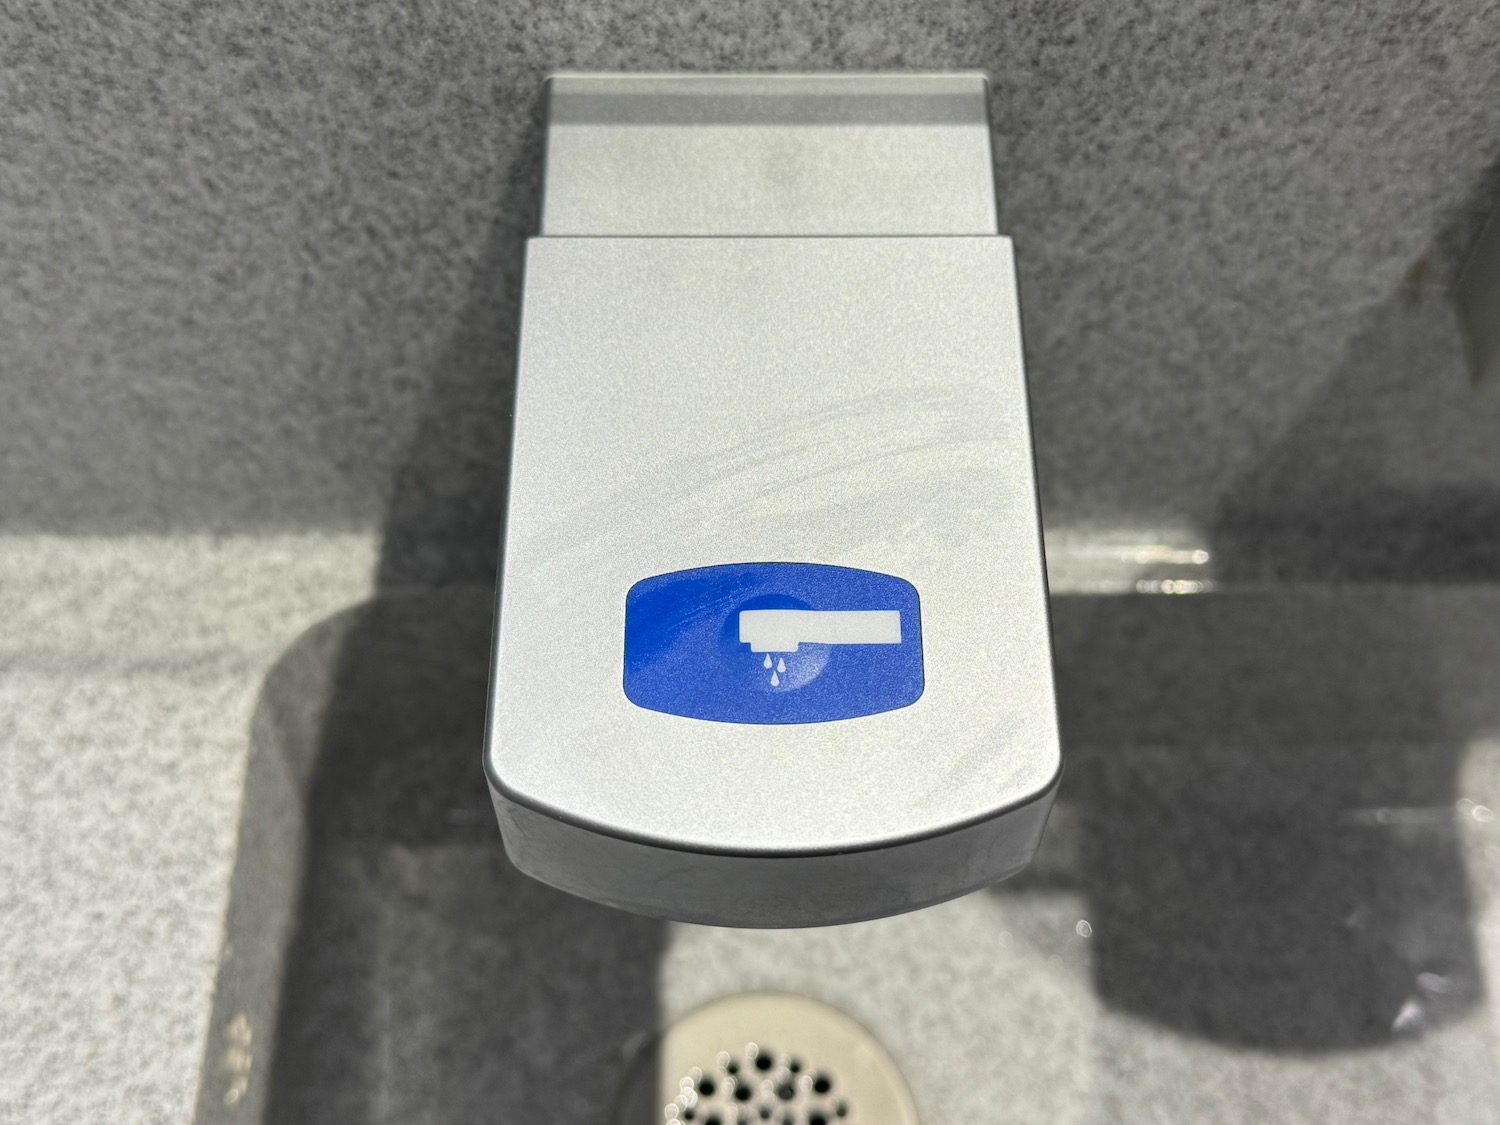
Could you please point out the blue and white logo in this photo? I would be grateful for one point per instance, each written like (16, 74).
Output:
(773, 643)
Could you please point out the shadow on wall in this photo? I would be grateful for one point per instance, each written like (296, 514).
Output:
(383, 960)
(447, 502)
(1324, 503)
(1328, 502)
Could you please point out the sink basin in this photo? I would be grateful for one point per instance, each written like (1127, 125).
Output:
(1266, 893)
(382, 960)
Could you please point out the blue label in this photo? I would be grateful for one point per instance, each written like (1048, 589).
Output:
(773, 643)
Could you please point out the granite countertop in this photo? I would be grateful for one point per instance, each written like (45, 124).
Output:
(131, 668)
(1270, 890)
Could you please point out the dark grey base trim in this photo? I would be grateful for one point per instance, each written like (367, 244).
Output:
(771, 892)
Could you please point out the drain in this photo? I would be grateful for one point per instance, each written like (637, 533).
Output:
(765, 1059)
(758, 1084)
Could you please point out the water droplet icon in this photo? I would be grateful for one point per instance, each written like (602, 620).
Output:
(768, 660)
(775, 680)
(780, 665)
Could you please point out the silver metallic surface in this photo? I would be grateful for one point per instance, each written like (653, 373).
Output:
(768, 154)
(684, 402)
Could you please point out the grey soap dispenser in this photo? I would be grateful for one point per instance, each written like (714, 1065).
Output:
(772, 644)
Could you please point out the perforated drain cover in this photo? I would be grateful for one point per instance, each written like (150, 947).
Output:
(765, 1059)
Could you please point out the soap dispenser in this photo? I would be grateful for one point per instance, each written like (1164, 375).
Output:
(772, 644)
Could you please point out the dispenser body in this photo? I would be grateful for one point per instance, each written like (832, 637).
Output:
(771, 643)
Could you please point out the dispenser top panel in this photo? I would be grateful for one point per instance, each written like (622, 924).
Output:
(768, 154)
(687, 403)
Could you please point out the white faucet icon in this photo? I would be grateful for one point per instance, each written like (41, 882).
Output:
(782, 630)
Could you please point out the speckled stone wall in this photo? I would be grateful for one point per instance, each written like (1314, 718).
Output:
(258, 261)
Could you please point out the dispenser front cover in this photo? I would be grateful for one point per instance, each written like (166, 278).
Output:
(694, 410)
